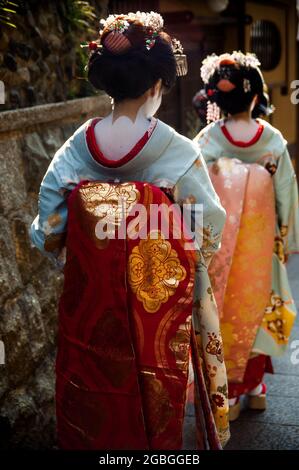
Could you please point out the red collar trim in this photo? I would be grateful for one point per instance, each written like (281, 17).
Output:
(240, 143)
(100, 157)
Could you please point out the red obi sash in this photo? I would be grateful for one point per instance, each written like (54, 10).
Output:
(124, 326)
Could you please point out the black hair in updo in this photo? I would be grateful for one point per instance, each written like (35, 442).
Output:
(130, 75)
(248, 82)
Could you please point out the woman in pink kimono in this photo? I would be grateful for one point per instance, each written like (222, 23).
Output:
(252, 173)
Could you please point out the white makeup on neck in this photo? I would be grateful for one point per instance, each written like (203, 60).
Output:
(152, 104)
(117, 137)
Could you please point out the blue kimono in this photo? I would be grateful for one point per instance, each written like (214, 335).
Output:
(167, 160)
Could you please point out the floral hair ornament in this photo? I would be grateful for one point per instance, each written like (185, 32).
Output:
(118, 35)
(213, 63)
(115, 35)
(237, 58)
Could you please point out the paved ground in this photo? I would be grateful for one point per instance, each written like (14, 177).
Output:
(276, 428)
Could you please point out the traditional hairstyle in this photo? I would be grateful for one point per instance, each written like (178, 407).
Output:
(133, 52)
(231, 82)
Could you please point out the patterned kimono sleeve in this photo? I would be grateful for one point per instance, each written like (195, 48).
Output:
(195, 188)
(48, 230)
(286, 194)
(206, 145)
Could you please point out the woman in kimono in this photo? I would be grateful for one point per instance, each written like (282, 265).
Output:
(251, 170)
(135, 309)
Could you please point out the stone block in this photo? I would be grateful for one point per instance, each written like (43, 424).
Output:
(10, 278)
(36, 161)
(24, 336)
(14, 333)
(12, 188)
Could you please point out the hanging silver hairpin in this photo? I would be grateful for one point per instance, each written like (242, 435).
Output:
(180, 57)
(246, 85)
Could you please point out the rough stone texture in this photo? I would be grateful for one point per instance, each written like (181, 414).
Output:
(29, 284)
(41, 60)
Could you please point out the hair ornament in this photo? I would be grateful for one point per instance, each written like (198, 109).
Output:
(117, 43)
(119, 33)
(151, 22)
(117, 23)
(246, 85)
(213, 112)
(213, 62)
(226, 85)
(92, 46)
(180, 57)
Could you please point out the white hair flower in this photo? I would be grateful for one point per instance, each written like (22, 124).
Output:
(211, 63)
(150, 20)
(152, 23)
(209, 66)
(247, 60)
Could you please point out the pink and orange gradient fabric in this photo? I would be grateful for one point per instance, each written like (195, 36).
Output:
(241, 271)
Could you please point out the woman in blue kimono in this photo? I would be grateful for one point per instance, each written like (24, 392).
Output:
(122, 369)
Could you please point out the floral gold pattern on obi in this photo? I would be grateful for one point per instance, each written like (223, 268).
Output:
(180, 345)
(109, 201)
(154, 271)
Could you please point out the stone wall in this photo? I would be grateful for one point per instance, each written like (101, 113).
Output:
(41, 60)
(29, 284)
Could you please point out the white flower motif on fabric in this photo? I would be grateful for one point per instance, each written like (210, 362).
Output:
(232, 219)
(227, 184)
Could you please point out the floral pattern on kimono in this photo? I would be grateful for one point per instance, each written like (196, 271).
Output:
(207, 326)
(270, 151)
(168, 160)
